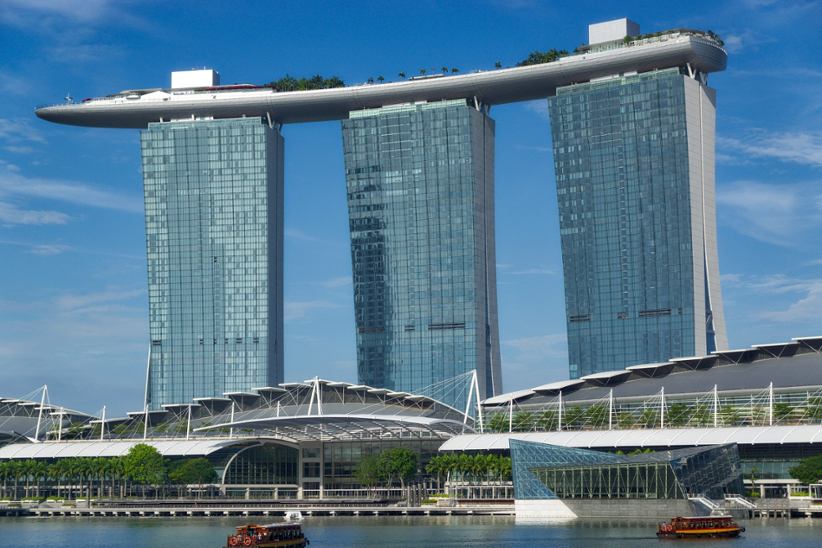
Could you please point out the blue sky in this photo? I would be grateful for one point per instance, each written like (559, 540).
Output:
(73, 303)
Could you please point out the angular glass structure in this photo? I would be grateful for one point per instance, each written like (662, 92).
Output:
(634, 162)
(214, 237)
(420, 181)
(543, 471)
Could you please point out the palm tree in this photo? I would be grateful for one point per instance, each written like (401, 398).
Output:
(380, 78)
(401, 75)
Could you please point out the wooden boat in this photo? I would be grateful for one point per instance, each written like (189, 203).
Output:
(275, 535)
(707, 526)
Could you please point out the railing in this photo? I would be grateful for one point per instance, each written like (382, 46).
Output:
(742, 501)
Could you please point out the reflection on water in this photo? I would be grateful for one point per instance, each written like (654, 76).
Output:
(428, 532)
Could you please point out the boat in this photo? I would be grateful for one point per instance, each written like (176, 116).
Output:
(275, 535)
(695, 527)
(293, 515)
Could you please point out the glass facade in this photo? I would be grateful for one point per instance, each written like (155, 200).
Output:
(634, 166)
(264, 465)
(544, 471)
(420, 181)
(214, 210)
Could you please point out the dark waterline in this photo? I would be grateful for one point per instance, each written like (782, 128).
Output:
(427, 532)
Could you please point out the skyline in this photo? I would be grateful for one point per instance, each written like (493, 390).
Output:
(44, 235)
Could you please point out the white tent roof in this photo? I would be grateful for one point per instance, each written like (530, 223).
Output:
(111, 448)
(669, 437)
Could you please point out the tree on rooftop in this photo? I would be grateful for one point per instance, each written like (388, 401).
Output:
(539, 57)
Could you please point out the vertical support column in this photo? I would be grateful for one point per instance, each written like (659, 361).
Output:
(145, 421)
(40, 412)
(60, 424)
(231, 428)
(716, 407)
(770, 404)
(610, 408)
(662, 407)
(559, 413)
(103, 423)
(188, 423)
(511, 415)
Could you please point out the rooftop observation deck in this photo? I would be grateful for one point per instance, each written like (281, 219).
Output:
(136, 109)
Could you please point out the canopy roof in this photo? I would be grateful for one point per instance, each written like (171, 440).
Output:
(610, 439)
(797, 364)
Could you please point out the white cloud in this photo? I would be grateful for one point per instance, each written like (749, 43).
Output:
(13, 215)
(18, 131)
(19, 12)
(340, 281)
(797, 147)
(299, 310)
(13, 85)
(780, 214)
(538, 271)
(85, 302)
(539, 107)
(806, 306)
(297, 234)
(540, 346)
(49, 249)
(14, 184)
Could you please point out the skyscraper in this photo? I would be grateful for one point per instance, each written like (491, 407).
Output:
(634, 161)
(420, 181)
(214, 237)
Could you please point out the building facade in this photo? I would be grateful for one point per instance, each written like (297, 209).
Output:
(634, 161)
(420, 182)
(551, 481)
(214, 238)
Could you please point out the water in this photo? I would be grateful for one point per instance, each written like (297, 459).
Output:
(427, 532)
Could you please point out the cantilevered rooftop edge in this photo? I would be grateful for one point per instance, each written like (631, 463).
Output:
(699, 53)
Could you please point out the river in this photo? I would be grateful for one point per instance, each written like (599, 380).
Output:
(427, 532)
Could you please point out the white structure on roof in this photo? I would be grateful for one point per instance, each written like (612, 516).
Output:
(181, 79)
(609, 31)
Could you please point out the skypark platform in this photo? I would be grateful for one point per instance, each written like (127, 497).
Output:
(696, 51)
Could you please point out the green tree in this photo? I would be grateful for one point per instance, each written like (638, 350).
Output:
(498, 422)
(399, 463)
(454, 70)
(814, 410)
(539, 57)
(809, 470)
(677, 415)
(145, 465)
(625, 419)
(597, 415)
(523, 421)
(782, 411)
(401, 74)
(572, 416)
(369, 471)
(498, 65)
(547, 420)
(193, 471)
(730, 416)
(649, 417)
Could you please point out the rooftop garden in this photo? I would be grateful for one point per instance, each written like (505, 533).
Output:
(536, 57)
